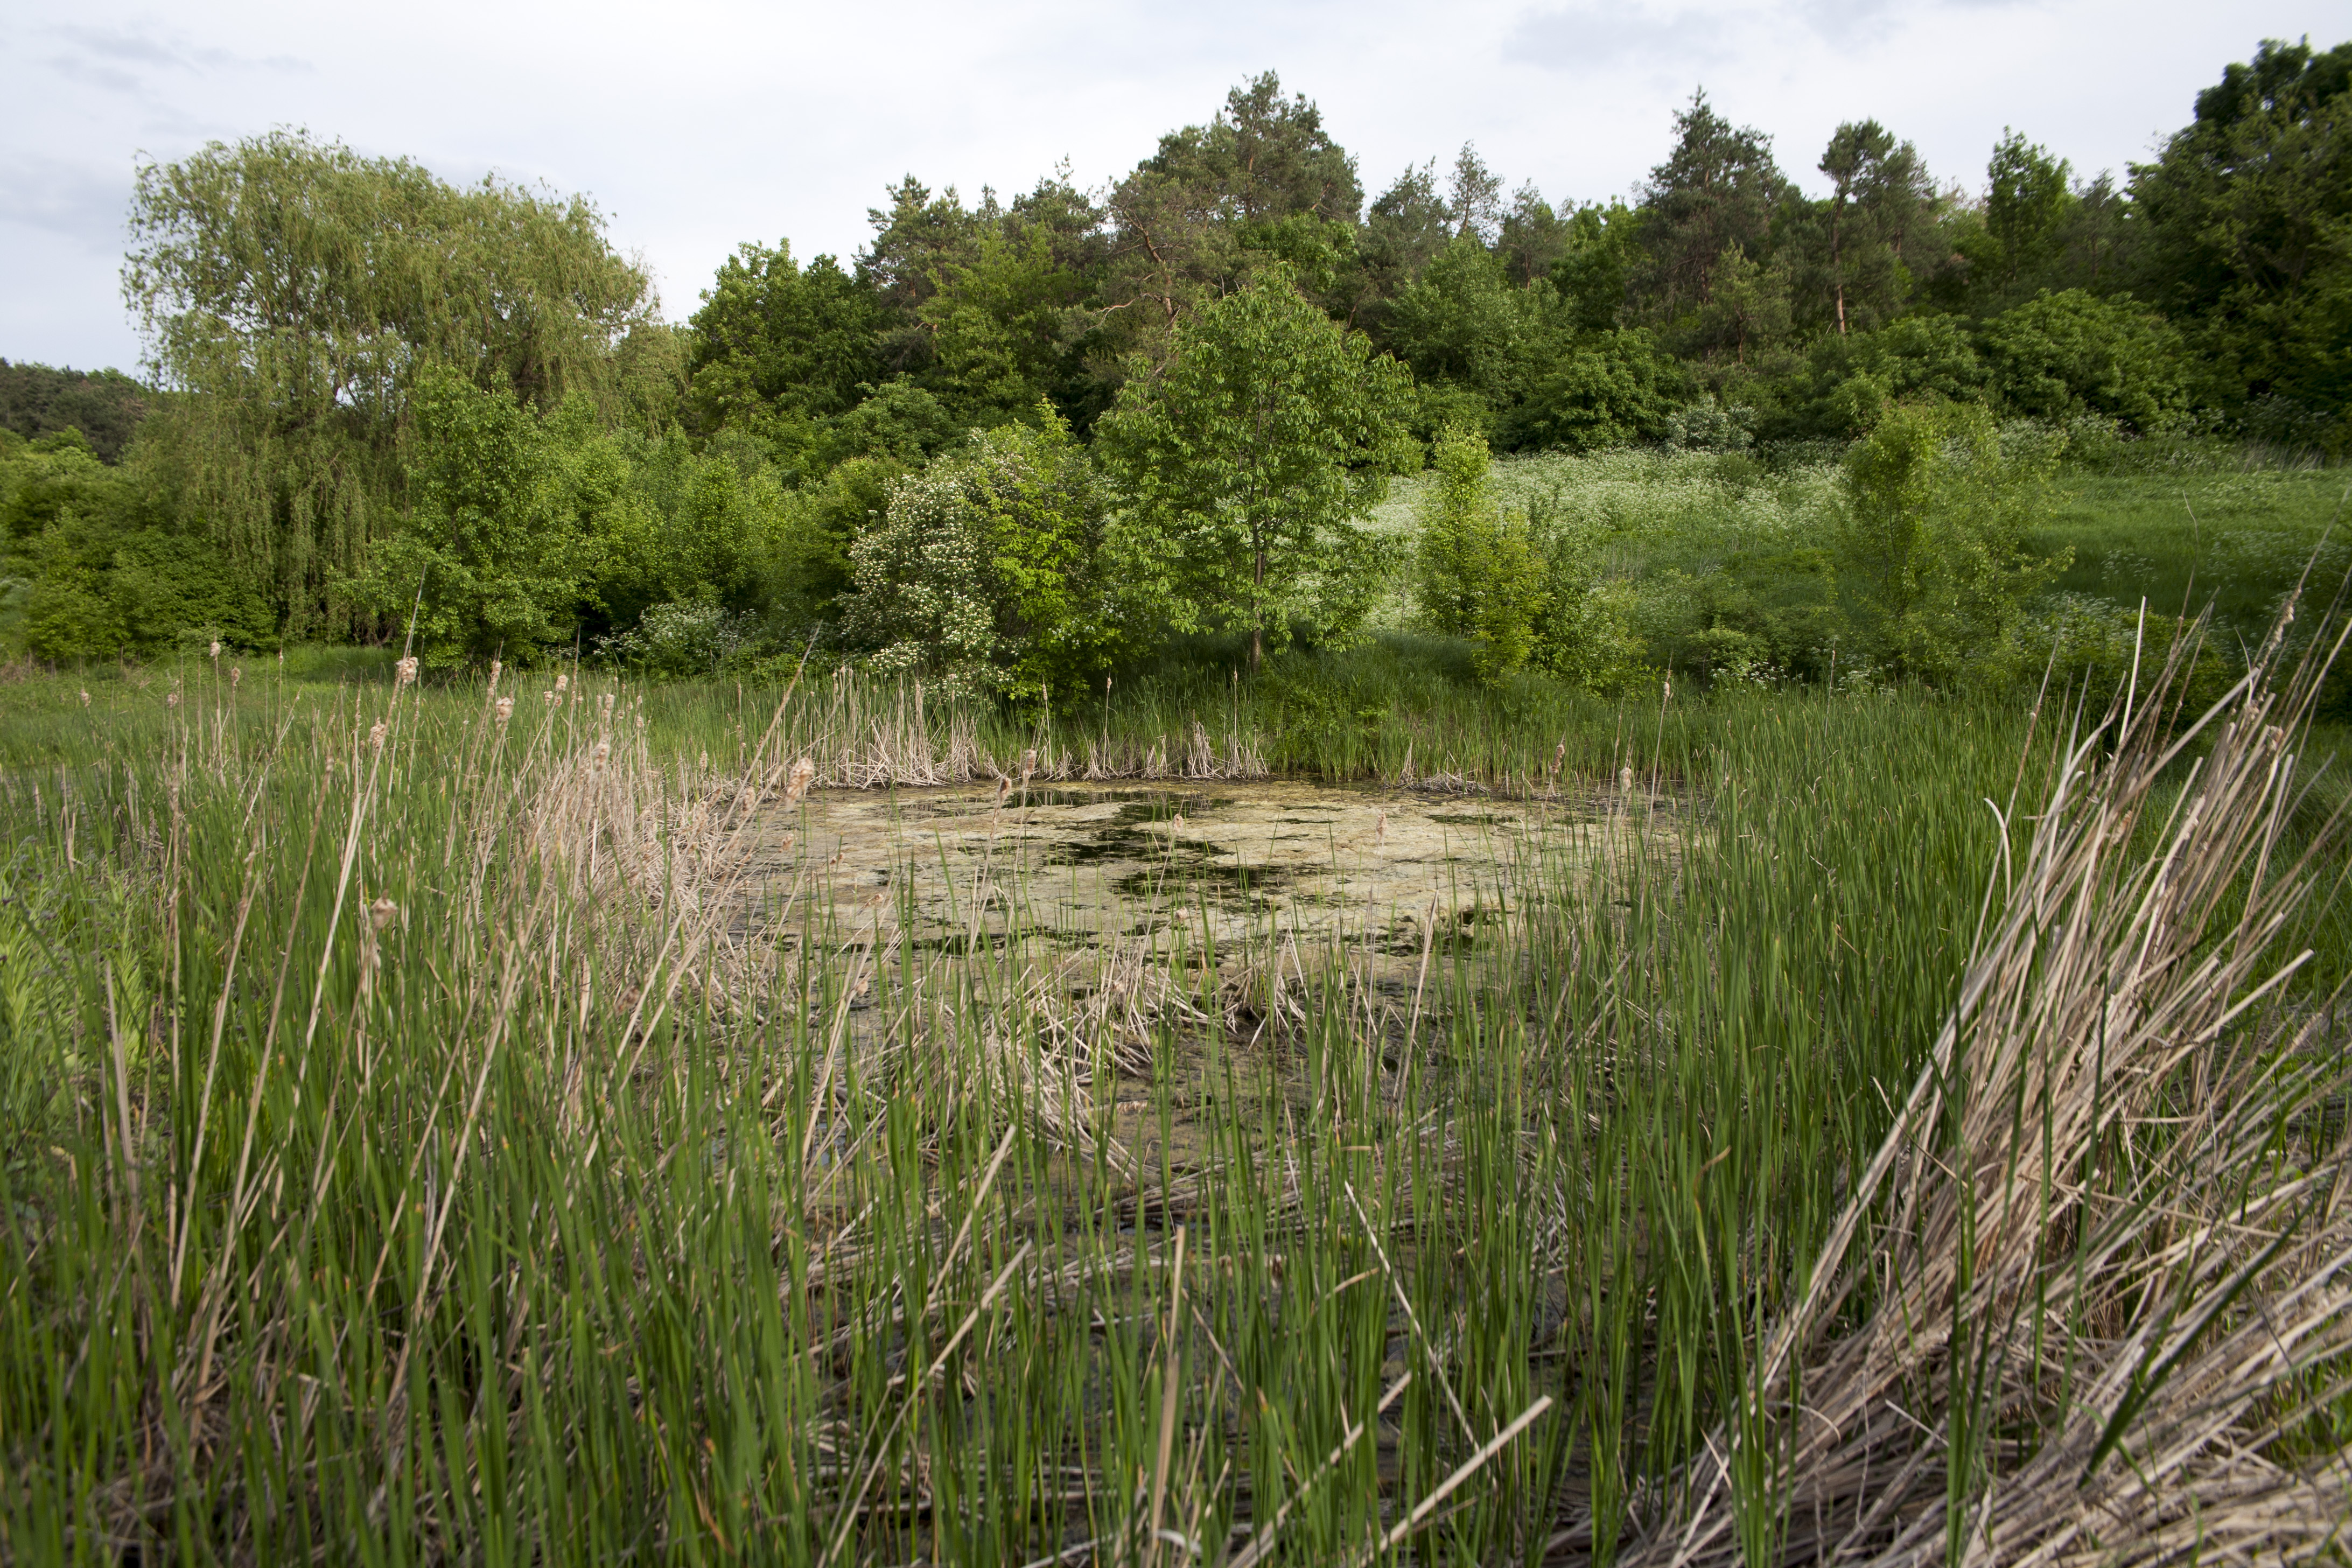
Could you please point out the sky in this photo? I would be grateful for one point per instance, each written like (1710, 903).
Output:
(705, 124)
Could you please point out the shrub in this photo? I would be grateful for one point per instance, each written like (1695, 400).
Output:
(1477, 571)
(1617, 387)
(2068, 353)
(1927, 539)
(988, 572)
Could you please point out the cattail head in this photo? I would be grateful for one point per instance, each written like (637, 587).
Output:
(171, 700)
(405, 671)
(85, 699)
(382, 913)
(804, 774)
(216, 650)
(1028, 764)
(503, 710)
(554, 697)
(563, 682)
(1003, 788)
(1381, 828)
(605, 702)
(496, 666)
(235, 677)
(597, 755)
(1669, 689)
(376, 736)
(1625, 780)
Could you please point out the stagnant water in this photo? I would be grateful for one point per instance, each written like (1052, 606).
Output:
(966, 867)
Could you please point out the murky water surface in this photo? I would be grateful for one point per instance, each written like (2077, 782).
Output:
(963, 868)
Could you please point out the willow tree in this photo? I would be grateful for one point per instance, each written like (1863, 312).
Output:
(290, 292)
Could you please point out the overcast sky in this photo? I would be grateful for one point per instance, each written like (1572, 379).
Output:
(704, 123)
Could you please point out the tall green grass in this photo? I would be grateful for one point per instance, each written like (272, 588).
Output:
(410, 1155)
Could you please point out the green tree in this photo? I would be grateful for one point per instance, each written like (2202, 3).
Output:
(1249, 458)
(1477, 571)
(501, 550)
(1179, 219)
(1848, 382)
(2025, 212)
(2072, 353)
(2248, 215)
(1712, 198)
(1612, 388)
(989, 572)
(1877, 223)
(778, 347)
(1929, 535)
(294, 291)
(105, 406)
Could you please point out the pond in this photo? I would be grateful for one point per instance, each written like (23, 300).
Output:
(961, 868)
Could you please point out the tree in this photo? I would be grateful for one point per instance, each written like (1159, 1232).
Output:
(1477, 571)
(105, 406)
(2072, 353)
(1928, 538)
(296, 290)
(777, 347)
(1179, 219)
(1250, 457)
(1848, 382)
(2246, 213)
(1713, 195)
(2026, 202)
(495, 557)
(988, 573)
(1881, 209)
(1610, 389)
(1474, 198)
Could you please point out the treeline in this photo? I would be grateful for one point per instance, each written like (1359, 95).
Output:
(1012, 438)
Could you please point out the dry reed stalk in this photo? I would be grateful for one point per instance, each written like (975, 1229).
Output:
(2098, 1269)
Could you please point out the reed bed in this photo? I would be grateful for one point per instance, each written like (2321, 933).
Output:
(412, 1153)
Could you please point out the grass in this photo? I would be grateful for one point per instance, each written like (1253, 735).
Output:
(410, 1155)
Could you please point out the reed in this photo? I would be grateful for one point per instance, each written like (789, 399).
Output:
(416, 1147)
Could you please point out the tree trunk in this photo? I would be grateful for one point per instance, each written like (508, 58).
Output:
(1257, 610)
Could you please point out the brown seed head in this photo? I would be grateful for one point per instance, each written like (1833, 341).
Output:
(235, 677)
(503, 710)
(382, 913)
(376, 736)
(85, 699)
(405, 671)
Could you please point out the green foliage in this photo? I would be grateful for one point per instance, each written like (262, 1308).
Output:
(991, 571)
(1859, 248)
(499, 550)
(2026, 201)
(105, 406)
(777, 347)
(1929, 539)
(2058, 355)
(1848, 381)
(93, 570)
(533, 530)
(2245, 211)
(1616, 387)
(1712, 199)
(295, 291)
(1477, 571)
(1250, 458)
